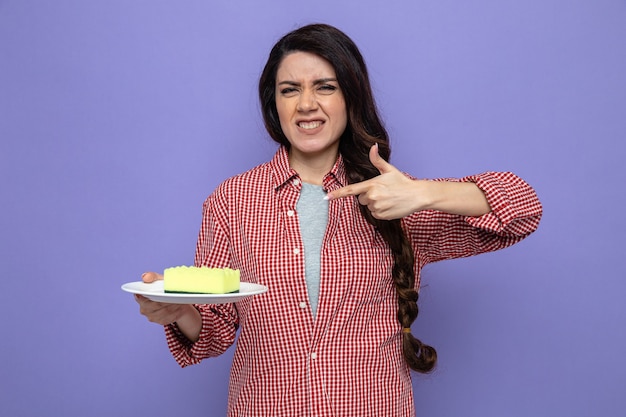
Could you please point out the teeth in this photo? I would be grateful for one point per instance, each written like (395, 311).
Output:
(309, 125)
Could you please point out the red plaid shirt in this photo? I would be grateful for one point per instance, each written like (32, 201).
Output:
(346, 361)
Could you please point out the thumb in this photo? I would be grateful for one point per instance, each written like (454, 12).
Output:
(378, 162)
(149, 277)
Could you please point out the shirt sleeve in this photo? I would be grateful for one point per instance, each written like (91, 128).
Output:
(515, 214)
(220, 321)
(219, 327)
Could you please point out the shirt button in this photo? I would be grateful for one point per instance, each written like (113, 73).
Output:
(290, 213)
(296, 182)
(313, 355)
(296, 251)
(303, 305)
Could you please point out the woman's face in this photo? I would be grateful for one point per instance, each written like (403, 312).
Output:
(311, 107)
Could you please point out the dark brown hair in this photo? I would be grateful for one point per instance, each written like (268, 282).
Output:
(364, 129)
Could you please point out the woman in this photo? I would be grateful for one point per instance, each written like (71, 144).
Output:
(339, 236)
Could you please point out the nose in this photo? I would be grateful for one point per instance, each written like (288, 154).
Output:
(307, 101)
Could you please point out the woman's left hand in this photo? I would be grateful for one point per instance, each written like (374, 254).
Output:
(391, 195)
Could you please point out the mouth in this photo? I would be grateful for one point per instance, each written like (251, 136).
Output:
(310, 125)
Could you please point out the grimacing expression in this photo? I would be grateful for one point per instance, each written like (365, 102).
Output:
(311, 106)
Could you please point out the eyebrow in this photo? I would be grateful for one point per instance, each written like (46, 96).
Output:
(316, 82)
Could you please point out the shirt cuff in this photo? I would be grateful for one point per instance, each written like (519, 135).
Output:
(507, 195)
(185, 351)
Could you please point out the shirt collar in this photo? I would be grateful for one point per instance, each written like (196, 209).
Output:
(283, 173)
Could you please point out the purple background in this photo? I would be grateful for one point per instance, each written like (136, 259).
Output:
(117, 119)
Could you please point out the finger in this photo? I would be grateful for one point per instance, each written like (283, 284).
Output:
(148, 307)
(349, 190)
(379, 163)
(161, 313)
(149, 277)
(364, 200)
(143, 301)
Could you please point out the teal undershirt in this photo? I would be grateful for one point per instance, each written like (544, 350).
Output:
(313, 218)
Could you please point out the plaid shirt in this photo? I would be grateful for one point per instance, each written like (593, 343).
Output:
(347, 360)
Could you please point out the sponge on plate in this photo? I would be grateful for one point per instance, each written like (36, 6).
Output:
(202, 280)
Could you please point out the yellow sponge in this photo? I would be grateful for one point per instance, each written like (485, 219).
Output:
(202, 280)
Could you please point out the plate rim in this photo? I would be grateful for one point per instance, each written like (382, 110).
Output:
(186, 298)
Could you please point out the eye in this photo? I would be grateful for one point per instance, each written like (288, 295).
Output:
(288, 91)
(327, 89)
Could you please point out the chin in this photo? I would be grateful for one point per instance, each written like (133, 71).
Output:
(315, 150)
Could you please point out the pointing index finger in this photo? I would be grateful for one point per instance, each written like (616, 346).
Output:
(347, 191)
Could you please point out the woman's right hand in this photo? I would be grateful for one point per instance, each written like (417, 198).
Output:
(186, 316)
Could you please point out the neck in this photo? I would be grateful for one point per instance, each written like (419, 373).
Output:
(312, 168)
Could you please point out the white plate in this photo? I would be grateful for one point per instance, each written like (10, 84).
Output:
(154, 291)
